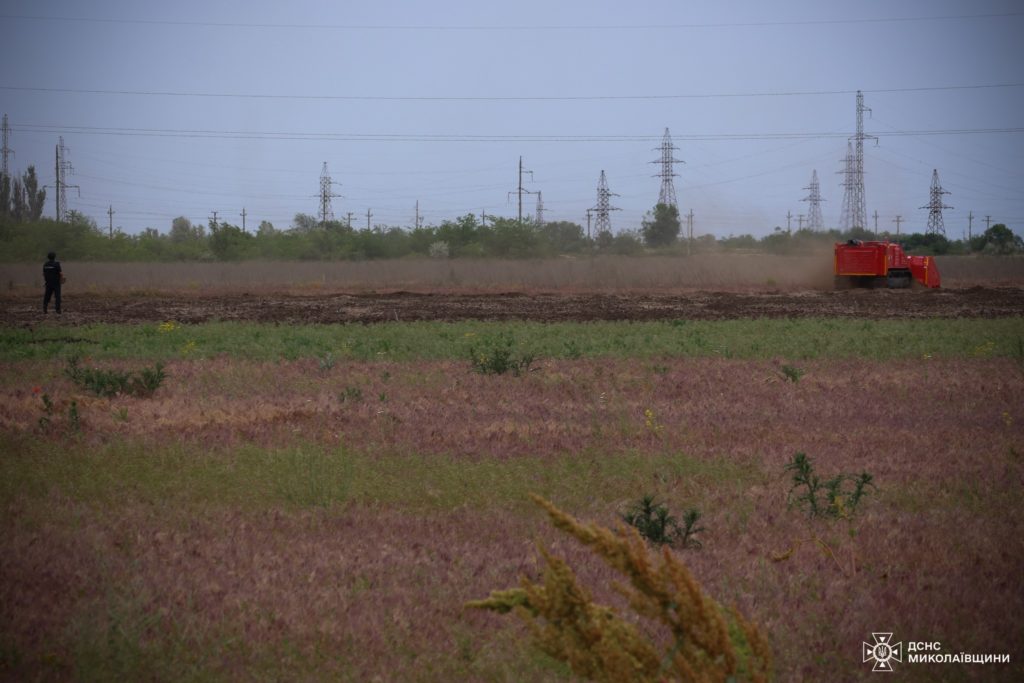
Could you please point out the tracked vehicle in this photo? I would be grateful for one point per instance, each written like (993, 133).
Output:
(876, 264)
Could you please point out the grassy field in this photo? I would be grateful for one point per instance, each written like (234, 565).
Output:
(742, 339)
(318, 503)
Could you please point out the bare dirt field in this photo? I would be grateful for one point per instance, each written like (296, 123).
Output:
(403, 306)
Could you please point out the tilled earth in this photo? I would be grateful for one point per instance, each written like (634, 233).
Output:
(80, 309)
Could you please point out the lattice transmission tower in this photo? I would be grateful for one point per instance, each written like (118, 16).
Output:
(814, 220)
(603, 222)
(7, 151)
(326, 213)
(61, 170)
(848, 182)
(855, 213)
(540, 208)
(935, 206)
(667, 194)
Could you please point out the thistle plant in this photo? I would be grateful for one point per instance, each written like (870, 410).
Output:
(677, 631)
(44, 421)
(653, 522)
(496, 357)
(792, 373)
(110, 383)
(838, 496)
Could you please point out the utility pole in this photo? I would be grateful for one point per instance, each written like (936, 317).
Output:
(368, 215)
(243, 219)
(789, 218)
(988, 222)
(521, 190)
(876, 221)
(110, 215)
(6, 151)
(213, 219)
(349, 222)
(483, 218)
(589, 211)
(417, 218)
(800, 222)
(970, 224)
(689, 231)
(897, 221)
(935, 206)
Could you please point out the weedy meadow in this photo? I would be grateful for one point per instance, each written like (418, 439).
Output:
(226, 500)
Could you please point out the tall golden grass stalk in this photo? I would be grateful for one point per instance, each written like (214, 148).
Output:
(706, 642)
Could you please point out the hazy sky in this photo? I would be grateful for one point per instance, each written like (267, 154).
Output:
(203, 106)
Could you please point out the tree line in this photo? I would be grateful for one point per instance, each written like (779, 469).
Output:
(25, 235)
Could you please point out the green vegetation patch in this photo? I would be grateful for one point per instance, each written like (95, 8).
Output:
(313, 476)
(796, 339)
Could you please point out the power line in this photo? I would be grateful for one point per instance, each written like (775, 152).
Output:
(520, 27)
(463, 137)
(498, 98)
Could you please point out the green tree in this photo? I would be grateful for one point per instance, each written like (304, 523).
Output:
(628, 242)
(1001, 240)
(183, 231)
(303, 222)
(459, 234)
(509, 237)
(228, 242)
(19, 207)
(5, 194)
(661, 229)
(35, 196)
(564, 237)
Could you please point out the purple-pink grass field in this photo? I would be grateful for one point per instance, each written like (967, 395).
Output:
(268, 520)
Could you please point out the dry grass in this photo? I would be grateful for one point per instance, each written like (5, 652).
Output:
(727, 272)
(124, 555)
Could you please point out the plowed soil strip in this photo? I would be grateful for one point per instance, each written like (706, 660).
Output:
(974, 302)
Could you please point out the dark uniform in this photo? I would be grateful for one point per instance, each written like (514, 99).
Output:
(52, 277)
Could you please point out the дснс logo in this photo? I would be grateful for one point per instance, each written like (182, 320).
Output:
(883, 651)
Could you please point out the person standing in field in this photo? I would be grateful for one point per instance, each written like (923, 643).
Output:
(54, 278)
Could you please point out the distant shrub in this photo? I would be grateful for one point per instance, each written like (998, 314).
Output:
(699, 640)
(325, 362)
(835, 497)
(653, 521)
(351, 394)
(47, 421)
(110, 383)
(438, 249)
(792, 373)
(496, 356)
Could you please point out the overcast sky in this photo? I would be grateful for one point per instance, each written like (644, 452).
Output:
(187, 108)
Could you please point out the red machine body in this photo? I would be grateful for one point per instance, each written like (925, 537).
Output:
(865, 263)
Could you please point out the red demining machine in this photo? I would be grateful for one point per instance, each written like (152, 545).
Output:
(870, 264)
